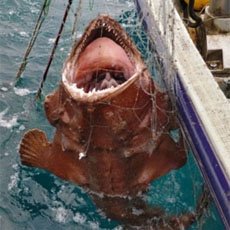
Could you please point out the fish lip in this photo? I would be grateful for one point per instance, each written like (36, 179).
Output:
(80, 95)
(111, 29)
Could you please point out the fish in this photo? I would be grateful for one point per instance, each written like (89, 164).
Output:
(113, 127)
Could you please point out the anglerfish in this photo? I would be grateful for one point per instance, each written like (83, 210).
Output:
(113, 127)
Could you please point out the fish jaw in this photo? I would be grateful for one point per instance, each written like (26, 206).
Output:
(104, 51)
(110, 111)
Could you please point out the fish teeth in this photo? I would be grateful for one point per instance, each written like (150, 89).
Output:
(88, 77)
(119, 39)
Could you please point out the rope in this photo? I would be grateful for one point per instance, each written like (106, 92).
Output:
(40, 20)
(53, 50)
(203, 203)
(193, 15)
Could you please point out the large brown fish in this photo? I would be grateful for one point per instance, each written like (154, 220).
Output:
(112, 126)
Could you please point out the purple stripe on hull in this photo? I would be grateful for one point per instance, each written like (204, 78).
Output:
(208, 162)
(213, 173)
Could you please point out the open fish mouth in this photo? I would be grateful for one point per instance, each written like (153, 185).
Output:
(104, 61)
(102, 79)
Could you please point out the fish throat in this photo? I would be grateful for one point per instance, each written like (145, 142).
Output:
(101, 79)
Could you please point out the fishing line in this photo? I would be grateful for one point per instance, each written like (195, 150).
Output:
(53, 50)
(40, 20)
(78, 9)
(91, 4)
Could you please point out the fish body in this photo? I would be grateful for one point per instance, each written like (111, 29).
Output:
(112, 122)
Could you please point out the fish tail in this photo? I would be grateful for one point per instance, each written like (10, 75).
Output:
(176, 223)
(188, 219)
(33, 148)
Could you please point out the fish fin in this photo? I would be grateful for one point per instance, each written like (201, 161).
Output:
(36, 151)
(34, 146)
(52, 106)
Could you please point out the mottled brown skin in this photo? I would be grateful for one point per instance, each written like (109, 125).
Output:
(123, 154)
(118, 138)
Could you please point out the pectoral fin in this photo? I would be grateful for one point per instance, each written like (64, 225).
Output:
(34, 149)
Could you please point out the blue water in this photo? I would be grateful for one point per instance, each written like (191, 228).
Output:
(32, 198)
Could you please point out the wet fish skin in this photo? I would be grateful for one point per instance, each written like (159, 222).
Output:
(115, 143)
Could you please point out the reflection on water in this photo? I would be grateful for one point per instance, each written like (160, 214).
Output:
(32, 198)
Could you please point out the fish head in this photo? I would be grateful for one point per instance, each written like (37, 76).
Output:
(106, 88)
(103, 63)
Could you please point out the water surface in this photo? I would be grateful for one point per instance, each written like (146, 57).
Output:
(32, 198)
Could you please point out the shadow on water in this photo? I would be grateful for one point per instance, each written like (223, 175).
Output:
(35, 199)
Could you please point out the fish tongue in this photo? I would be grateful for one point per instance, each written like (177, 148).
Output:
(107, 82)
(113, 83)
